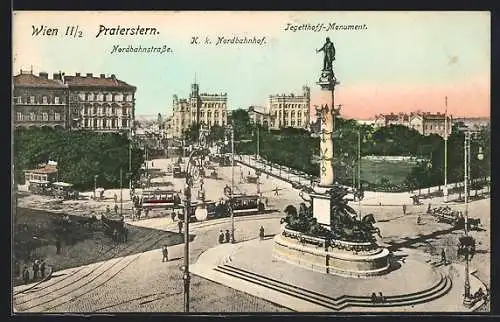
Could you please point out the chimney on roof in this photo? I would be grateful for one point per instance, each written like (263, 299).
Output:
(89, 74)
(57, 76)
(103, 75)
(43, 75)
(113, 76)
(77, 74)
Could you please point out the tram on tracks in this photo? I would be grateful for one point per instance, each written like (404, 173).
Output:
(159, 198)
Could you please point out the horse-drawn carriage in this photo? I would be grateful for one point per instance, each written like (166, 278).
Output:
(252, 179)
(115, 228)
(454, 218)
(40, 187)
(64, 191)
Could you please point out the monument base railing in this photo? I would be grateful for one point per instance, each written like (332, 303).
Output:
(357, 260)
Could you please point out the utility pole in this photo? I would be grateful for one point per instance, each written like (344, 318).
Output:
(258, 142)
(232, 184)
(186, 277)
(130, 161)
(445, 192)
(359, 174)
(467, 300)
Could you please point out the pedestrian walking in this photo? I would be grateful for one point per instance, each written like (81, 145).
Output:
(404, 210)
(180, 226)
(116, 209)
(381, 297)
(419, 220)
(152, 164)
(108, 210)
(173, 216)
(276, 191)
(374, 298)
(261, 232)
(35, 269)
(58, 245)
(165, 253)
(443, 256)
(115, 197)
(429, 208)
(221, 237)
(228, 236)
(42, 268)
(26, 274)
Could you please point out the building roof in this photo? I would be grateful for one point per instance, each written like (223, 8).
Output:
(100, 82)
(258, 109)
(30, 80)
(45, 170)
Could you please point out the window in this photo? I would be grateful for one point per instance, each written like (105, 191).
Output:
(90, 97)
(19, 116)
(56, 100)
(32, 99)
(45, 116)
(86, 122)
(113, 111)
(95, 110)
(81, 96)
(124, 123)
(118, 97)
(113, 123)
(129, 98)
(109, 97)
(32, 116)
(99, 97)
(124, 111)
(57, 116)
(95, 123)
(39, 117)
(44, 99)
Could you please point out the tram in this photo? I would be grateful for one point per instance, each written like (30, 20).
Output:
(160, 198)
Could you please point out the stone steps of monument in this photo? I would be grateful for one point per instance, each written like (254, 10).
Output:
(344, 301)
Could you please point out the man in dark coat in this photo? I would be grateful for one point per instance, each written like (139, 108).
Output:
(42, 268)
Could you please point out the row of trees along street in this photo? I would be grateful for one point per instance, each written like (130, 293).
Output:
(80, 155)
(297, 149)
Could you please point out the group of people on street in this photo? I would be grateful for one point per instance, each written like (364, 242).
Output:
(224, 237)
(39, 268)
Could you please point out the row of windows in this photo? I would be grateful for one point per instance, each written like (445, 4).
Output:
(292, 114)
(38, 99)
(38, 116)
(289, 105)
(111, 124)
(287, 123)
(104, 110)
(210, 105)
(109, 97)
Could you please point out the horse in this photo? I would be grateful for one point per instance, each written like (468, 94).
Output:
(367, 223)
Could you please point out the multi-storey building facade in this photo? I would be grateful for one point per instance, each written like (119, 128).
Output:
(425, 123)
(73, 102)
(101, 103)
(290, 110)
(40, 101)
(200, 108)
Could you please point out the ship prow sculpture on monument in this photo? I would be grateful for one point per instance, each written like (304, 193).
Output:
(326, 235)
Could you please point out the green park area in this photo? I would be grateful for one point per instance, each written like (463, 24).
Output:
(395, 171)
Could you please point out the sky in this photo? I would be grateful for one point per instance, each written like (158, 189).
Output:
(399, 62)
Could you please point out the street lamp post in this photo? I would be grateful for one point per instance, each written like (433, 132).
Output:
(230, 129)
(193, 169)
(121, 192)
(468, 301)
(95, 184)
(359, 174)
(445, 190)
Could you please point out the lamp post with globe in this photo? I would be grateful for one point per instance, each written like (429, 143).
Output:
(193, 171)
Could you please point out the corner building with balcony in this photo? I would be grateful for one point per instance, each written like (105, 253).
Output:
(39, 101)
(200, 108)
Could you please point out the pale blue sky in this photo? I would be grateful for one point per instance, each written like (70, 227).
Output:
(400, 51)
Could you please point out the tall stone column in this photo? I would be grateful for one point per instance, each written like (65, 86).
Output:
(326, 113)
